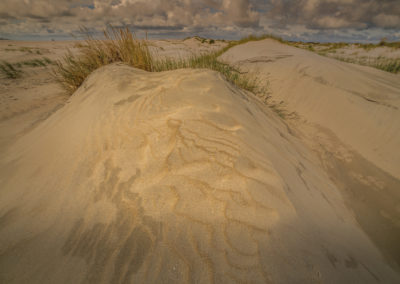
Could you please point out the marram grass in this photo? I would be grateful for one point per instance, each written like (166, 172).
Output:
(120, 45)
(9, 71)
(210, 61)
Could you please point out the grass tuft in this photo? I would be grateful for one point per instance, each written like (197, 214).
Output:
(9, 71)
(210, 61)
(389, 65)
(119, 45)
(34, 63)
(383, 63)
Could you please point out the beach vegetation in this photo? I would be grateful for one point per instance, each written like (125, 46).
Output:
(34, 63)
(9, 71)
(120, 45)
(391, 65)
(334, 49)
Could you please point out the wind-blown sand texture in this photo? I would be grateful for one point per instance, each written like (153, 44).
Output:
(180, 177)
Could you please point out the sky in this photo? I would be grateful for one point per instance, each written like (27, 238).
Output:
(307, 20)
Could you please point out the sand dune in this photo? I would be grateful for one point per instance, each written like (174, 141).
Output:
(28, 100)
(180, 177)
(359, 104)
(183, 48)
(349, 115)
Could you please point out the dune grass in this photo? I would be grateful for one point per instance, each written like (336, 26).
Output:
(387, 64)
(383, 42)
(210, 61)
(36, 62)
(13, 70)
(32, 50)
(120, 45)
(391, 65)
(9, 71)
(328, 46)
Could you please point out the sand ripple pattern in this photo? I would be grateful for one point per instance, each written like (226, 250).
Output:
(163, 178)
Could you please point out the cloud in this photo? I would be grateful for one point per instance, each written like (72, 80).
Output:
(337, 14)
(68, 15)
(387, 21)
(218, 18)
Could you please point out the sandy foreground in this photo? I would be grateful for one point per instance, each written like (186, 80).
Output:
(180, 177)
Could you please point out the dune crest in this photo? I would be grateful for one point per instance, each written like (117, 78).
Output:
(173, 177)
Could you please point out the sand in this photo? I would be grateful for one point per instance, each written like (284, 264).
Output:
(349, 115)
(184, 48)
(358, 104)
(179, 177)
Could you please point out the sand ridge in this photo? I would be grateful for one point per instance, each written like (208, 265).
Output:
(173, 177)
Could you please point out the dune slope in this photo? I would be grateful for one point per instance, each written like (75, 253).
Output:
(350, 116)
(360, 105)
(173, 177)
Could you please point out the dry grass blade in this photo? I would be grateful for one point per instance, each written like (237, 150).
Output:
(119, 45)
(210, 61)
